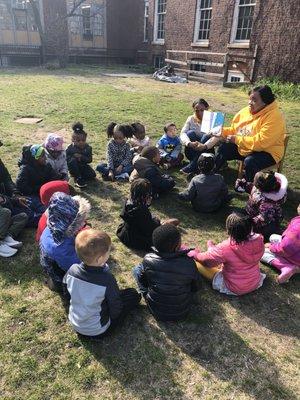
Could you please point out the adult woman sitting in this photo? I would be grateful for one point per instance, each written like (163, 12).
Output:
(192, 137)
(256, 134)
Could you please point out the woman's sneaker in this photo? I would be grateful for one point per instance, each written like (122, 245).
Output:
(81, 183)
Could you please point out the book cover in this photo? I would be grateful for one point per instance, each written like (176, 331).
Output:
(212, 122)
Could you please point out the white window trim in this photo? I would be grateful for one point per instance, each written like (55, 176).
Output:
(155, 39)
(235, 23)
(204, 42)
(233, 74)
(146, 18)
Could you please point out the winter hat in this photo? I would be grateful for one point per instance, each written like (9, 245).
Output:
(54, 142)
(49, 188)
(36, 150)
(66, 215)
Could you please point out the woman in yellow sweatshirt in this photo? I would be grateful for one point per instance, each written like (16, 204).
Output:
(256, 134)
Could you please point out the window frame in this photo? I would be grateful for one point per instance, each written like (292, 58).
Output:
(146, 22)
(234, 29)
(156, 21)
(197, 23)
(87, 34)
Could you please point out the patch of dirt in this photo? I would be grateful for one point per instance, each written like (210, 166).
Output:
(40, 135)
(29, 120)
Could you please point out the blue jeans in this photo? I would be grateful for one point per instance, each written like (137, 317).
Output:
(255, 162)
(137, 274)
(191, 154)
(104, 170)
(34, 211)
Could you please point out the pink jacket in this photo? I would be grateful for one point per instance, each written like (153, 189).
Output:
(240, 262)
(289, 247)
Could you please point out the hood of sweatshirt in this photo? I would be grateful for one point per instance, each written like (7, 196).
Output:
(131, 212)
(49, 188)
(142, 164)
(249, 251)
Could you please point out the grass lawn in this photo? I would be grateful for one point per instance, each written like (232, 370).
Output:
(229, 348)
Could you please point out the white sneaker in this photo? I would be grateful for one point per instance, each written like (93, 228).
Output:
(6, 251)
(12, 242)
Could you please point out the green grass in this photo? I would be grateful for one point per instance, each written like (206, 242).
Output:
(242, 348)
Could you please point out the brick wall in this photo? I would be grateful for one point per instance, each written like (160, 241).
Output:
(276, 32)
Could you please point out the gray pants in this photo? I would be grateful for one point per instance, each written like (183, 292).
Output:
(11, 225)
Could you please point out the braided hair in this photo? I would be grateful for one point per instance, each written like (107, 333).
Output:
(141, 192)
(239, 227)
(206, 163)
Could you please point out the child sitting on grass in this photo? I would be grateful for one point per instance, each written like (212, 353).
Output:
(56, 155)
(119, 156)
(170, 147)
(97, 305)
(233, 265)
(139, 224)
(167, 277)
(67, 215)
(283, 251)
(79, 156)
(147, 166)
(267, 195)
(207, 191)
(139, 139)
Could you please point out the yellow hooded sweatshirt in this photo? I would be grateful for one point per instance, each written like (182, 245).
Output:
(263, 131)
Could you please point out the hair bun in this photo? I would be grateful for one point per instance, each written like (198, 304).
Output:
(78, 127)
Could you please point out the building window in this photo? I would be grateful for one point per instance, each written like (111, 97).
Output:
(86, 23)
(146, 21)
(243, 20)
(98, 25)
(203, 19)
(20, 19)
(159, 62)
(160, 13)
(5, 17)
(235, 77)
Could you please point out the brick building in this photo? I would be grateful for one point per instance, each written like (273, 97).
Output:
(252, 38)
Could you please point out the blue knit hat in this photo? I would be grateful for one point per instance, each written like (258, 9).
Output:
(62, 213)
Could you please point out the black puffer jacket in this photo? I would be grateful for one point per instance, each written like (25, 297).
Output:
(138, 226)
(149, 170)
(171, 279)
(33, 175)
(7, 188)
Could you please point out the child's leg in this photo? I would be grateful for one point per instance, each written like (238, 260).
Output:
(5, 221)
(87, 172)
(18, 223)
(208, 273)
(74, 169)
(137, 274)
(127, 169)
(103, 169)
(175, 162)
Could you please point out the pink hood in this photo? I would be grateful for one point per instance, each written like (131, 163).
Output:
(240, 262)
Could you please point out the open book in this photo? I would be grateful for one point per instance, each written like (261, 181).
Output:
(212, 122)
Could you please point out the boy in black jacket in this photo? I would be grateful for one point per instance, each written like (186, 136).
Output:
(79, 156)
(167, 277)
(97, 304)
(147, 166)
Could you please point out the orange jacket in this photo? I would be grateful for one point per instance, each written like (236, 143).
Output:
(263, 131)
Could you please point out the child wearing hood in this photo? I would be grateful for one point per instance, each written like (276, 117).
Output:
(66, 217)
(264, 206)
(56, 155)
(233, 265)
(46, 193)
(283, 251)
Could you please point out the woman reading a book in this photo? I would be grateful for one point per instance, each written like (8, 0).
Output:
(256, 134)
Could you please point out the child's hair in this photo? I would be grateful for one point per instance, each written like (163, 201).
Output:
(90, 244)
(110, 130)
(166, 238)
(149, 152)
(140, 191)
(206, 163)
(127, 130)
(167, 126)
(266, 182)
(78, 129)
(137, 127)
(200, 101)
(239, 227)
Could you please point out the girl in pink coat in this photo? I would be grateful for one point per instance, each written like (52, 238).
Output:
(237, 257)
(283, 252)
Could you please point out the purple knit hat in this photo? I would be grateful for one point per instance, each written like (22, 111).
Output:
(54, 142)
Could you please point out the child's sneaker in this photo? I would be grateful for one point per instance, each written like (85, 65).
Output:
(11, 242)
(122, 177)
(80, 183)
(287, 273)
(166, 166)
(6, 251)
(239, 186)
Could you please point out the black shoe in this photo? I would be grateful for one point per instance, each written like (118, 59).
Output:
(80, 182)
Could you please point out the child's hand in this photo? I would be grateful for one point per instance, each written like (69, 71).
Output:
(194, 253)
(111, 176)
(119, 169)
(210, 243)
(77, 156)
(267, 245)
